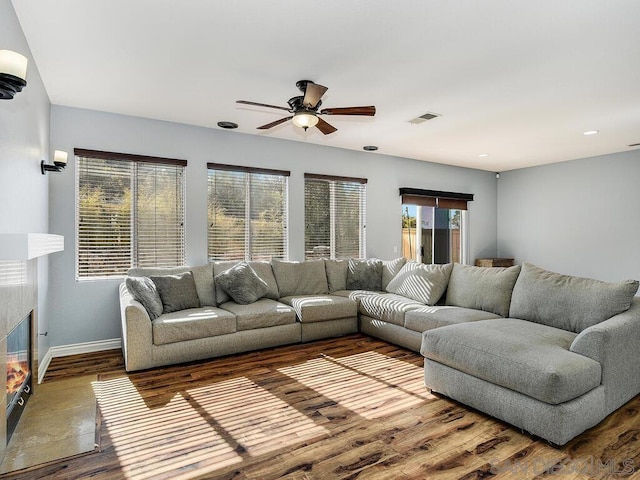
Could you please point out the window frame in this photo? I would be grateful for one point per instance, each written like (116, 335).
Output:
(441, 200)
(333, 180)
(134, 160)
(248, 238)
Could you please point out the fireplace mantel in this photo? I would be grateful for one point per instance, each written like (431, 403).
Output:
(25, 246)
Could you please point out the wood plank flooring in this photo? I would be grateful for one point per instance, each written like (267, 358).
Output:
(347, 408)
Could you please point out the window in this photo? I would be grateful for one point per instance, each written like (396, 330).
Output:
(433, 225)
(247, 213)
(130, 212)
(335, 213)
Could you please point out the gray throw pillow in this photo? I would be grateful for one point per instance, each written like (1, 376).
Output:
(178, 292)
(568, 302)
(482, 288)
(219, 267)
(144, 291)
(242, 283)
(420, 282)
(364, 274)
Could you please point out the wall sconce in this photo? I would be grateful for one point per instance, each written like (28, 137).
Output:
(13, 74)
(59, 162)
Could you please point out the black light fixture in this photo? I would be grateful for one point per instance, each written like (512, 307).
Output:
(228, 125)
(13, 74)
(370, 148)
(59, 162)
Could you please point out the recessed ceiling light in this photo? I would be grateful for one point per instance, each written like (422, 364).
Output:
(591, 132)
(483, 155)
(228, 125)
(370, 148)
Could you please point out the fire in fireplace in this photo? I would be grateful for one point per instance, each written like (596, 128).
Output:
(18, 372)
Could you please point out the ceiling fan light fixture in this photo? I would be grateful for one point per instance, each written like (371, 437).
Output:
(304, 120)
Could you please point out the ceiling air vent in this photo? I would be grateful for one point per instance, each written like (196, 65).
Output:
(424, 118)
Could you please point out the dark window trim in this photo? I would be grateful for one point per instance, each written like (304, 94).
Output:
(333, 178)
(437, 194)
(238, 168)
(86, 153)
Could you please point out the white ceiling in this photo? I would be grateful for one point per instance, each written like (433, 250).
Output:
(517, 80)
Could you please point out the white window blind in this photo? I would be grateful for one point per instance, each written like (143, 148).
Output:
(335, 217)
(247, 213)
(130, 212)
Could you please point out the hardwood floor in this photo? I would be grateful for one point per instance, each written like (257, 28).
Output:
(347, 408)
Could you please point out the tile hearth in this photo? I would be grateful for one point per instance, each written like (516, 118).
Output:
(58, 422)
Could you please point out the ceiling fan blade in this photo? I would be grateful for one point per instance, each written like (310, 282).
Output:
(368, 111)
(273, 124)
(245, 102)
(324, 127)
(312, 95)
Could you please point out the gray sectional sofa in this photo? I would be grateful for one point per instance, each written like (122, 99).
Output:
(549, 353)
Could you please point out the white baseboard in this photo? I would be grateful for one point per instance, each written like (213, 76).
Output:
(43, 365)
(75, 349)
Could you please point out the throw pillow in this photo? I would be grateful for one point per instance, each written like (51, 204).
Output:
(144, 291)
(300, 278)
(242, 283)
(420, 282)
(336, 274)
(219, 267)
(178, 292)
(568, 302)
(364, 274)
(482, 288)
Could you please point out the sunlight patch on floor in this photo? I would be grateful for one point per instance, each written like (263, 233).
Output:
(257, 420)
(153, 442)
(369, 383)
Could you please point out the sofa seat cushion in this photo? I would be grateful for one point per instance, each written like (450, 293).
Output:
(191, 324)
(427, 318)
(318, 308)
(387, 307)
(261, 314)
(527, 357)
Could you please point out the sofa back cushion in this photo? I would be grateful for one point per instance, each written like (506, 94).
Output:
(420, 282)
(202, 275)
(364, 274)
(262, 269)
(482, 288)
(300, 278)
(390, 268)
(336, 274)
(568, 302)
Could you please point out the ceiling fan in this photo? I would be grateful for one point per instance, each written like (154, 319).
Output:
(305, 109)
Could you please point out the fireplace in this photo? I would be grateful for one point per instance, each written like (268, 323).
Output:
(18, 372)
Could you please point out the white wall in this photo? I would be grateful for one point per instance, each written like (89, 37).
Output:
(580, 217)
(88, 310)
(24, 142)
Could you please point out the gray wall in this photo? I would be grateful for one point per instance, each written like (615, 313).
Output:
(88, 310)
(24, 141)
(580, 217)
